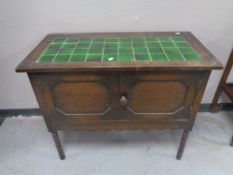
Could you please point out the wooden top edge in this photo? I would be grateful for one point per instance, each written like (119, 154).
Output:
(117, 34)
(92, 67)
(29, 64)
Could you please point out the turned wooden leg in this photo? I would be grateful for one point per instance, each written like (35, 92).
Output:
(232, 141)
(182, 144)
(214, 105)
(58, 145)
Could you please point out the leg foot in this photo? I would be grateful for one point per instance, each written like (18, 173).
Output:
(232, 141)
(58, 145)
(214, 108)
(182, 144)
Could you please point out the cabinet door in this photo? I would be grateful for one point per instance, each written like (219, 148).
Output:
(77, 97)
(160, 95)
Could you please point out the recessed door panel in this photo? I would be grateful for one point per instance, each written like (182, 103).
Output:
(81, 96)
(158, 95)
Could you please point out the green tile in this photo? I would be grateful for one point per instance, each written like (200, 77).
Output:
(95, 50)
(192, 56)
(72, 40)
(186, 50)
(158, 57)
(128, 51)
(125, 45)
(175, 57)
(164, 39)
(110, 57)
(62, 58)
(50, 52)
(111, 50)
(46, 59)
(172, 50)
(152, 39)
(182, 44)
(81, 51)
(125, 57)
(93, 57)
(97, 45)
(66, 51)
(153, 44)
(155, 50)
(83, 45)
(140, 50)
(139, 44)
(69, 46)
(142, 57)
(78, 58)
(128, 40)
(167, 44)
(111, 46)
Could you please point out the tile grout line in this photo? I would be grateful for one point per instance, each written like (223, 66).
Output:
(178, 49)
(132, 49)
(147, 49)
(38, 60)
(42, 54)
(118, 49)
(103, 49)
(189, 46)
(163, 49)
(90, 44)
(58, 51)
(199, 57)
(72, 53)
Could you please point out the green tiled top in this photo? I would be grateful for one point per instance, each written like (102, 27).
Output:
(66, 50)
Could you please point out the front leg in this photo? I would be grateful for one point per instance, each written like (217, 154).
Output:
(58, 145)
(182, 144)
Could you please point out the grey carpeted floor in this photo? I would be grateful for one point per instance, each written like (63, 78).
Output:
(26, 148)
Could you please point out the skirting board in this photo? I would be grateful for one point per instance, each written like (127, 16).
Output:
(36, 111)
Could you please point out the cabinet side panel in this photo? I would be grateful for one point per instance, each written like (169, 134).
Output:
(39, 88)
(201, 86)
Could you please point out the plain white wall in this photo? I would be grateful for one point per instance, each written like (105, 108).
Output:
(24, 23)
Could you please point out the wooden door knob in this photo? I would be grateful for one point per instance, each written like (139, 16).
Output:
(123, 101)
